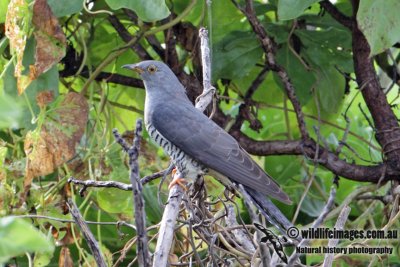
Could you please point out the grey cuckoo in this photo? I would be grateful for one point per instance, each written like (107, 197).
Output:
(195, 143)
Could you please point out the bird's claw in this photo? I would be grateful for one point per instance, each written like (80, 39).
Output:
(177, 181)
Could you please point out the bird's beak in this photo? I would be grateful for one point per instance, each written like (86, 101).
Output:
(134, 67)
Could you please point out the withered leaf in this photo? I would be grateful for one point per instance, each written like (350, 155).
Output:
(50, 39)
(54, 143)
(17, 28)
(65, 259)
(44, 98)
(64, 236)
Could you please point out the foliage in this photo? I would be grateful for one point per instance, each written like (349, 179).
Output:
(19, 236)
(63, 90)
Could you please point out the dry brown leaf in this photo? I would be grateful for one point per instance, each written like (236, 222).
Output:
(16, 32)
(67, 235)
(55, 143)
(65, 259)
(44, 98)
(50, 39)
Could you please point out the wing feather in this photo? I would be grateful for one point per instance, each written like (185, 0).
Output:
(206, 142)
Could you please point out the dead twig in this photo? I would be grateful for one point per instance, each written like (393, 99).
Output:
(139, 211)
(333, 242)
(87, 234)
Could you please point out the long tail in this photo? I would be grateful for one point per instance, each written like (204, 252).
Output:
(269, 210)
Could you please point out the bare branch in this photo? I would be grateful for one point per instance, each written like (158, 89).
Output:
(246, 105)
(337, 15)
(87, 234)
(241, 236)
(167, 227)
(269, 48)
(34, 216)
(91, 183)
(329, 160)
(139, 211)
(327, 208)
(385, 121)
(72, 63)
(127, 37)
(114, 184)
(324, 213)
(206, 97)
(333, 242)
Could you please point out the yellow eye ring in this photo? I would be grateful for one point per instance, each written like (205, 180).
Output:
(151, 69)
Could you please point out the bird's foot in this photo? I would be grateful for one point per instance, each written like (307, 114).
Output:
(177, 180)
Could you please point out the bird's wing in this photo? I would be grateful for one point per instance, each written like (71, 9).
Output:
(206, 142)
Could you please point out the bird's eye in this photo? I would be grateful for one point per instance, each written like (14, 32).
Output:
(151, 69)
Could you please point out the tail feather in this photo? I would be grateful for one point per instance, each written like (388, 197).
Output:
(269, 210)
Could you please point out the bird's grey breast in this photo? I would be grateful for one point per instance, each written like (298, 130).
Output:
(186, 165)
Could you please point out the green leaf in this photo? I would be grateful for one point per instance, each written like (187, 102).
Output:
(47, 81)
(147, 10)
(327, 47)
(3, 10)
(18, 237)
(65, 8)
(313, 203)
(227, 17)
(4, 42)
(10, 112)
(282, 168)
(380, 22)
(302, 79)
(268, 92)
(42, 259)
(3, 154)
(279, 32)
(289, 9)
(153, 210)
(114, 200)
(196, 14)
(330, 89)
(312, 207)
(235, 55)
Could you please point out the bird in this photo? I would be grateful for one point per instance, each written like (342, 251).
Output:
(195, 143)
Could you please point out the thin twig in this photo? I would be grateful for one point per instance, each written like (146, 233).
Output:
(247, 101)
(240, 235)
(34, 216)
(333, 242)
(127, 37)
(87, 234)
(327, 208)
(113, 184)
(324, 213)
(139, 211)
(269, 48)
(359, 137)
(337, 15)
(203, 100)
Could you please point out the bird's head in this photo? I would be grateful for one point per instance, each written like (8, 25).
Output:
(150, 69)
(157, 75)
